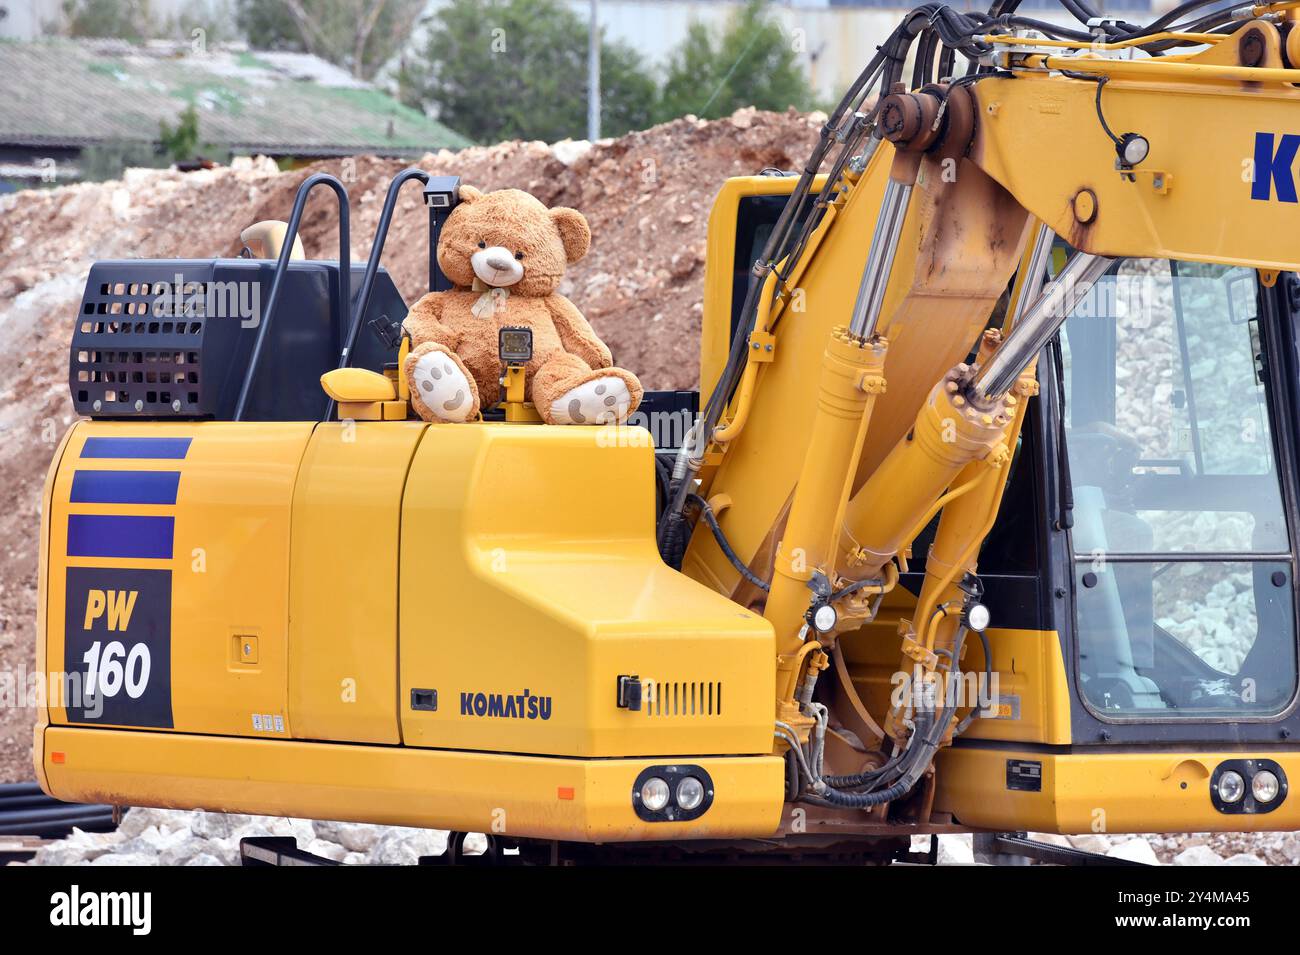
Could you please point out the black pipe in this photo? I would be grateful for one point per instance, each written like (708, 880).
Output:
(50, 830)
(18, 789)
(48, 813)
(37, 800)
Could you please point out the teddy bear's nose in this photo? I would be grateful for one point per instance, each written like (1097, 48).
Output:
(499, 262)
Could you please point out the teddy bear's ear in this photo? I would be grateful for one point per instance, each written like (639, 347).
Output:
(574, 232)
(469, 194)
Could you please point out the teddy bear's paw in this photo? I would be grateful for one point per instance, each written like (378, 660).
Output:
(443, 387)
(603, 400)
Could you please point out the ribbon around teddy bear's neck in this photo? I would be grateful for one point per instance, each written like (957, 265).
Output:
(492, 300)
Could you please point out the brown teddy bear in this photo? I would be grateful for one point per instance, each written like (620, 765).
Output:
(505, 252)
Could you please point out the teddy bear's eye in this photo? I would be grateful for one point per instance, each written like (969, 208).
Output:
(519, 256)
(482, 244)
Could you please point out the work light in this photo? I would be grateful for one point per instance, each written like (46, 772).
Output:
(690, 793)
(1264, 787)
(1231, 786)
(654, 794)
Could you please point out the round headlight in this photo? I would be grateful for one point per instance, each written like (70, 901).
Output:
(654, 794)
(690, 793)
(1231, 786)
(824, 618)
(977, 617)
(1133, 148)
(1264, 787)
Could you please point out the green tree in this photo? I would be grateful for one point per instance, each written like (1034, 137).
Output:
(136, 20)
(182, 141)
(753, 63)
(122, 19)
(517, 69)
(361, 35)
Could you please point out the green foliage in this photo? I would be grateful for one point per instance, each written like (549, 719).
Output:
(135, 20)
(181, 142)
(361, 35)
(752, 63)
(122, 19)
(517, 69)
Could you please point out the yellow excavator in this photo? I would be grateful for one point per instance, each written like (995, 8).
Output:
(988, 521)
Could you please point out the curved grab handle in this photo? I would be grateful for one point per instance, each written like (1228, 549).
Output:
(372, 267)
(376, 252)
(281, 266)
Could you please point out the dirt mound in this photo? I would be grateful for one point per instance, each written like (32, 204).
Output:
(647, 196)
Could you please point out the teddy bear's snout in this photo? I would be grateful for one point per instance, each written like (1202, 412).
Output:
(497, 266)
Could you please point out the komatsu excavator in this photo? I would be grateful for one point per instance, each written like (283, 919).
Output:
(988, 522)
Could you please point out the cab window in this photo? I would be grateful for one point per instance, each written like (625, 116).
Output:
(1183, 573)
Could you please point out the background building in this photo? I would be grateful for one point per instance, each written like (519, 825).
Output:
(72, 106)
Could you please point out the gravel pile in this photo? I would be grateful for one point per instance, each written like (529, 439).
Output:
(175, 837)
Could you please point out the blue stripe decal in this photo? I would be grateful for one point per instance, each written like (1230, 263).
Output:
(125, 487)
(158, 448)
(120, 535)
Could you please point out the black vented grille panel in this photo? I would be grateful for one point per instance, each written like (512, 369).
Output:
(143, 338)
(171, 338)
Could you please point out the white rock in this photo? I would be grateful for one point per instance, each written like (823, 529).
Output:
(1135, 850)
(329, 850)
(204, 858)
(1198, 855)
(1244, 858)
(403, 846)
(569, 151)
(184, 851)
(1091, 842)
(300, 829)
(1290, 847)
(227, 850)
(1052, 839)
(61, 853)
(134, 858)
(956, 849)
(218, 825)
(140, 818)
(354, 858)
(353, 836)
(153, 840)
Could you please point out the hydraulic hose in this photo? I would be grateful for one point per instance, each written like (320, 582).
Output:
(706, 511)
(939, 28)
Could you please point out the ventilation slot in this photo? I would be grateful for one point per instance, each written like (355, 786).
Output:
(679, 698)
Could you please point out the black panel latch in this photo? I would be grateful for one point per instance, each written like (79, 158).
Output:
(629, 693)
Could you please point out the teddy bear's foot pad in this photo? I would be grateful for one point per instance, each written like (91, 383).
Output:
(443, 387)
(603, 400)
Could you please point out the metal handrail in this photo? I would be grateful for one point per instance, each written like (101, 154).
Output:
(372, 268)
(282, 266)
(376, 251)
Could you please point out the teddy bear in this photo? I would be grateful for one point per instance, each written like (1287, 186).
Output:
(505, 253)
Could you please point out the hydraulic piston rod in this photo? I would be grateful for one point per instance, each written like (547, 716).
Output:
(1038, 324)
(880, 260)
